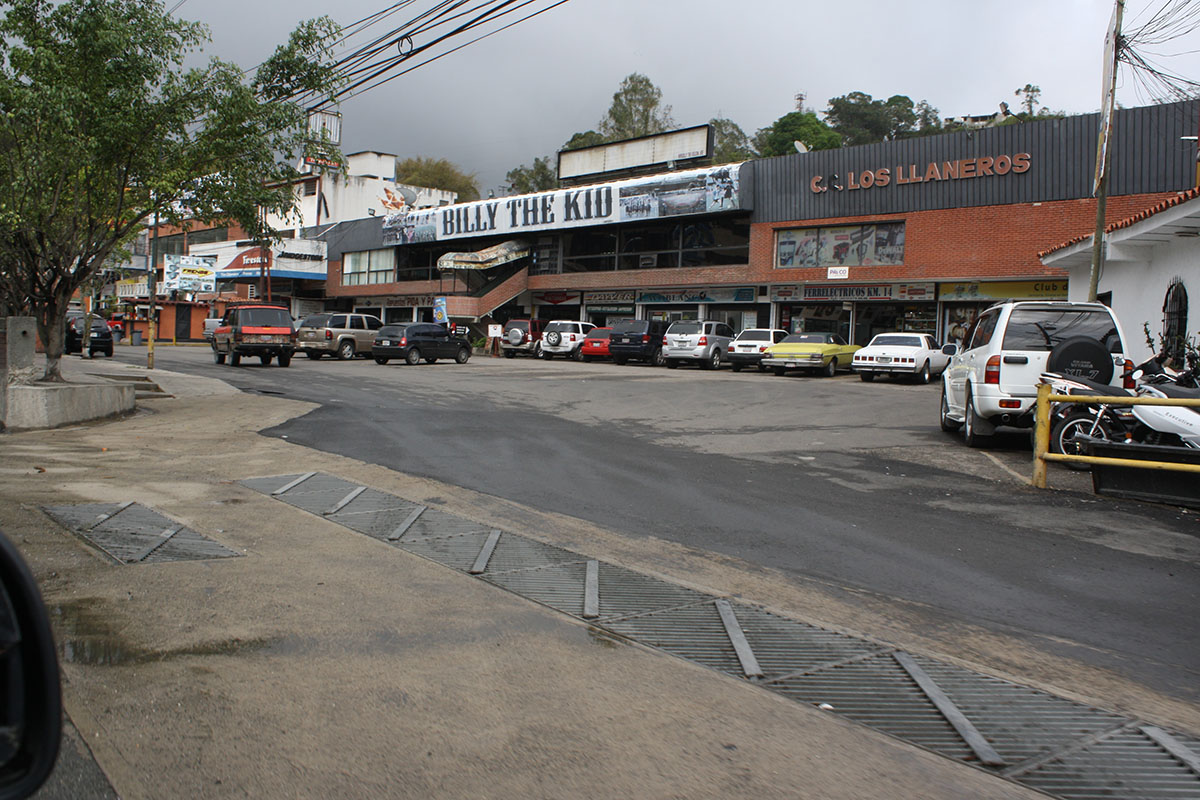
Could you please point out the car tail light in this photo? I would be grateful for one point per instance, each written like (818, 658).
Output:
(647, 338)
(703, 342)
(1127, 380)
(403, 341)
(328, 334)
(572, 337)
(762, 348)
(991, 372)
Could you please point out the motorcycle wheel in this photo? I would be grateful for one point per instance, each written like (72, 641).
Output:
(1070, 435)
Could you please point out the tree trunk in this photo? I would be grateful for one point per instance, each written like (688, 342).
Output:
(51, 326)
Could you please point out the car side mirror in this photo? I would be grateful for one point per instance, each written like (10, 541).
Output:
(950, 349)
(31, 714)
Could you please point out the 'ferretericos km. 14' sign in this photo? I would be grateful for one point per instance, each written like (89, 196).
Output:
(959, 169)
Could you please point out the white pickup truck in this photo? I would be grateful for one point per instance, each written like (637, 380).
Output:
(210, 325)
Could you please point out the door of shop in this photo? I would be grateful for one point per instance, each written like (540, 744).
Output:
(183, 322)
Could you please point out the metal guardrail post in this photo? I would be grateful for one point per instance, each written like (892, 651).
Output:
(1041, 435)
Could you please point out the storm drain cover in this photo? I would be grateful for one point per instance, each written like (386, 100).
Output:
(617, 591)
(779, 646)
(885, 692)
(1143, 762)
(489, 552)
(131, 533)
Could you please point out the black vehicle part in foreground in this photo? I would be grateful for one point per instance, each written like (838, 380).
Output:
(30, 695)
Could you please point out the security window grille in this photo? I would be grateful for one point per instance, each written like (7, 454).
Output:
(1175, 316)
(368, 267)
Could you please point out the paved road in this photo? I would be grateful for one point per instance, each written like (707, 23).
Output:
(835, 483)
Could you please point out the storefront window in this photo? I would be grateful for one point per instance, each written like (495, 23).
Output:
(845, 245)
(368, 267)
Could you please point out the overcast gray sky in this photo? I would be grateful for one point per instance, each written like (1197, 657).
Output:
(525, 91)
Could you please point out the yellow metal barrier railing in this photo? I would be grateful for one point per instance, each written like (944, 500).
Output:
(1041, 432)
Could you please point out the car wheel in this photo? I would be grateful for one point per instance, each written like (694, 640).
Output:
(736, 367)
(313, 354)
(971, 434)
(509, 354)
(866, 377)
(658, 359)
(345, 350)
(778, 371)
(431, 361)
(670, 363)
(714, 361)
(462, 355)
(830, 369)
(412, 357)
(586, 359)
(577, 354)
(108, 353)
(235, 359)
(948, 425)
(547, 356)
(537, 350)
(218, 356)
(265, 359)
(380, 360)
(285, 359)
(620, 362)
(1071, 434)
(925, 375)
(762, 367)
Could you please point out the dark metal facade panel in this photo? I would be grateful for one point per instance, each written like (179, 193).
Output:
(1149, 156)
(351, 236)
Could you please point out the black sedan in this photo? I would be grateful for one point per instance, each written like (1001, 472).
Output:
(414, 341)
(101, 340)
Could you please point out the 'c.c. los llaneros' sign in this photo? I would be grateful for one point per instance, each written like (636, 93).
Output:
(982, 167)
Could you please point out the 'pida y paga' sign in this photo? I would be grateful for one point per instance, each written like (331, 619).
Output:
(958, 169)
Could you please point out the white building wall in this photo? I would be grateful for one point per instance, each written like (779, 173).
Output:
(1138, 278)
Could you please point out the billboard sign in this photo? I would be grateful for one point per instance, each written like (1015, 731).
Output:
(189, 273)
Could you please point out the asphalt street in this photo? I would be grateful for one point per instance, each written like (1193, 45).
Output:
(830, 482)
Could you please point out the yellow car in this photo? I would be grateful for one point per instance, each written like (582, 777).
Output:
(819, 352)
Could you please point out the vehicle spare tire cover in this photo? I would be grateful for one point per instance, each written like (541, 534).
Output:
(516, 336)
(1083, 357)
(553, 338)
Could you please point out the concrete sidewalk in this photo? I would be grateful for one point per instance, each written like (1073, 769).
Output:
(324, 663)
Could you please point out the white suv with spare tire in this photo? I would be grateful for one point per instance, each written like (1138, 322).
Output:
(564, 338)
(993, 377)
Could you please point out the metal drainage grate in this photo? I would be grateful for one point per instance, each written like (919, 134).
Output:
(489, 552)
(614, 591)
(1143, 762)
(131, 533)
(941, 707)
(745, 641)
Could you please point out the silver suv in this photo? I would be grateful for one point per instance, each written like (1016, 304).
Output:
(341, 335)
(564, 338)
(992, 379)
(704, 343)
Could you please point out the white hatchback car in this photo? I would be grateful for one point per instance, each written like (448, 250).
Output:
(564, 338)
(901, 353)
(992, 380)
(704, 343)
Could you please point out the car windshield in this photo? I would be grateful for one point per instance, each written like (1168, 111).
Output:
(1044, 329)
(809, 338)
(629, 326)
(684, 327)
(315, 321)
(599, 333)
(754, 336)
(890, 340)
(276, 317)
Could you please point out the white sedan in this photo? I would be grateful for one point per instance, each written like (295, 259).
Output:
(900, 354)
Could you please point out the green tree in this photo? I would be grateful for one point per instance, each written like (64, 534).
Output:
(437, 173)
(636, 110)
(102, 129)
(540, 177)
(779, 138)
(730, 143)
(584, 139)
(860, 119)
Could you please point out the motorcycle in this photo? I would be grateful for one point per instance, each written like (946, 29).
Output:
(1177, 426)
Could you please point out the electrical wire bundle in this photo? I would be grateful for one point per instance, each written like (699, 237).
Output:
(1176, 18)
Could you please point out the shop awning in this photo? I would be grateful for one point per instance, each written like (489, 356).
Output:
(487, 258)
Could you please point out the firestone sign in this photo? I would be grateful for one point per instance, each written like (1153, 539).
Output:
(960, 169)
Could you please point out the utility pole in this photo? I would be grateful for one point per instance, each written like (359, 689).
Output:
(1112, 53)
(152, 290)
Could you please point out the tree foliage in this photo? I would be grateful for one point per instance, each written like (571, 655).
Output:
(540, 177)
(584, 139)
(730, 142)
(101, 129)
(779, 138)
(636, 110)
(860, 119)
(437, 173)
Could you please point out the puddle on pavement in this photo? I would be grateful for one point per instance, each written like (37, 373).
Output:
(86, 635)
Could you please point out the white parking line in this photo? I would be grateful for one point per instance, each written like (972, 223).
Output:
(1009, 470)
